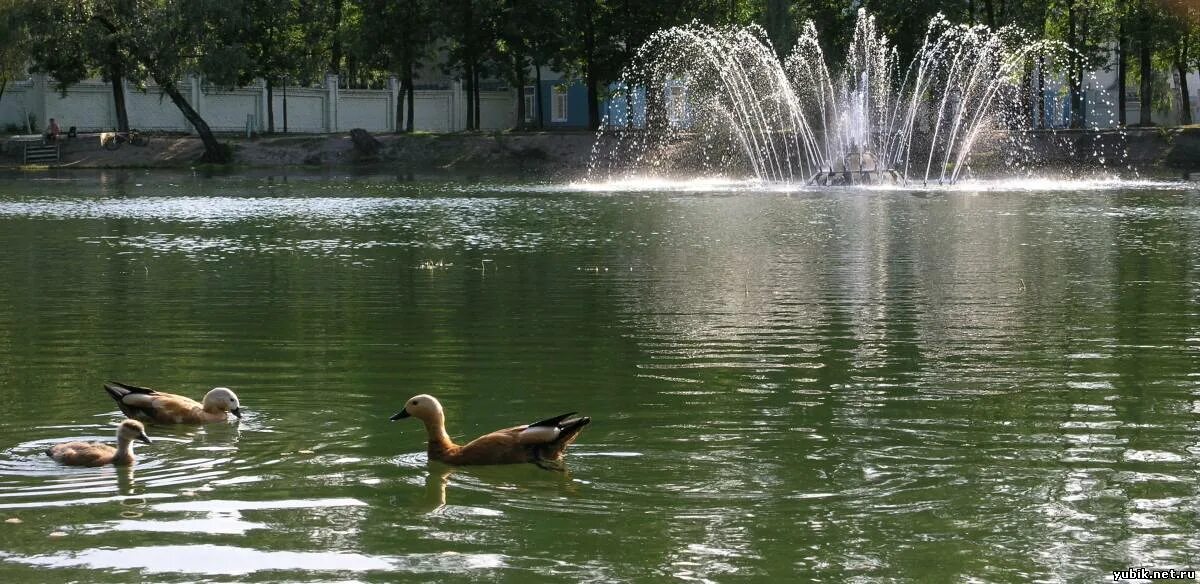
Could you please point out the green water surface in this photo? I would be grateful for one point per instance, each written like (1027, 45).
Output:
(997, 383)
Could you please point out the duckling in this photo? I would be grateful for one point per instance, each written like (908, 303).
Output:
(148, 405)
(97, 454)
(539, 442)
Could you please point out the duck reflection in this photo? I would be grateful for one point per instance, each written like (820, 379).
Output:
(528, 479)
(436, 481)
(126, 486)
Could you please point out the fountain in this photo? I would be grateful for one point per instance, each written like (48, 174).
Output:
(722, 100)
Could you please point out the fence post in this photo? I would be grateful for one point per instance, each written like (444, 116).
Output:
(262, 107)
(331, 102)
(197, 91)
(393, 102)
(458, 107)
(38, 106)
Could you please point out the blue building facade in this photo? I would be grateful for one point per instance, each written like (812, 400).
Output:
(564, 105)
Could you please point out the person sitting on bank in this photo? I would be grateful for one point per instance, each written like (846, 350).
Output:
(52, 130)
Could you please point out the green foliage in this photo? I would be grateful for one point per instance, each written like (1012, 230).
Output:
(14, 35)
(233, 41)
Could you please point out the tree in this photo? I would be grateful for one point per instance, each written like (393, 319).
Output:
(284, 40)
(1146, 47)
(545, 32)
(399, 35)
(471, 26)
(160, 40)
(1183, 20)
(76, 53)
(13, 36)
(1122, 11)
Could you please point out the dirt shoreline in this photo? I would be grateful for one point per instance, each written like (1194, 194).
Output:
(567, 155)
(549, 154)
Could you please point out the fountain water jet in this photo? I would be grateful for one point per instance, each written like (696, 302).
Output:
(719, 99)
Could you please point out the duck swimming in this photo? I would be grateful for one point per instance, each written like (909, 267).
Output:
(97, 454)
(539, 442)
(148, 405)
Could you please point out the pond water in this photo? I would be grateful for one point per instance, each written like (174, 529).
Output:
(997, 382)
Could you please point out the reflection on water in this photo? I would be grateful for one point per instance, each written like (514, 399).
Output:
(994, 382)
(215, 560)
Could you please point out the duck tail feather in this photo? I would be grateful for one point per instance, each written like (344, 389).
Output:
(575, 424)
(116, 391)
(552, 422)
(125, 388)
(570, 430)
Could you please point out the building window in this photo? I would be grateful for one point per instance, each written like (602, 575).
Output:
(675, 102)
(558, 103)
(530, 103)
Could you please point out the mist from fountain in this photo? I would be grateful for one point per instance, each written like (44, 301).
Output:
(797, 121)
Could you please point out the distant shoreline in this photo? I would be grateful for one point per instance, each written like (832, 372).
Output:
(549, 154)
(567, 154)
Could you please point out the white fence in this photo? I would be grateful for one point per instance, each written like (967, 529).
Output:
(89, 107)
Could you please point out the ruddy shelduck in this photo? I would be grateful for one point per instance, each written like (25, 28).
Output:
(97, 454)
(148, 405)
(539, 442)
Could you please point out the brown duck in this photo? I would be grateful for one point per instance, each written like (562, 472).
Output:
(148, 405)
(539, 442)
(97, 454)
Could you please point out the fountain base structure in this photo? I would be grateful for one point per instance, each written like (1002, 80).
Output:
(856, 169)
(846, 178)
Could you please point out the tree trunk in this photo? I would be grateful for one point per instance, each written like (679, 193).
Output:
(475, 86)
(589, 69)
(537, 96)
(116, 76)
(991, 13)
(400, 106)
(118, 92)
(1027, 109)
(270, 106)
(469, 77)
(1041, 116)
(412, 96)
(3, 85)
(285, 128)
(214, 151)
(335, 48)
(1181, 66)
(655, 120)
(1147, 91)
(1084, 27)
(468, 40)
(1122, 71)
(519, 77)
(1075, 66)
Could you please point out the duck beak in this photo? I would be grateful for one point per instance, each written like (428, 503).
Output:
(237, 413)
(143, 438)
(400, 415)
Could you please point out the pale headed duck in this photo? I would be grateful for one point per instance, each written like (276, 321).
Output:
(97, 454)
(148, 405)
(539, 442)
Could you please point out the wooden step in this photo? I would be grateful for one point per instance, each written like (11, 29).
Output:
(41, 153)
